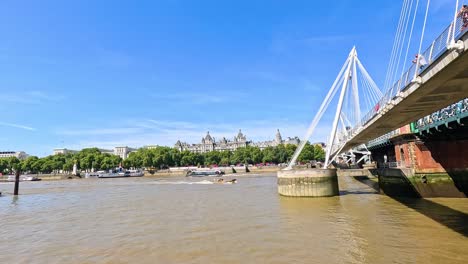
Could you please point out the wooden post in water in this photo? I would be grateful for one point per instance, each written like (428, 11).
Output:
(17, 177)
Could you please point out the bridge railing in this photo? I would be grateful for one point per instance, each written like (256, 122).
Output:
(382, 139)
(431, 54)
(443, 116)
(391, 164)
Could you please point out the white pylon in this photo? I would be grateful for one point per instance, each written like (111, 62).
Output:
(348, 76)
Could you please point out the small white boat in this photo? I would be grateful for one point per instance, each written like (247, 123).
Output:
(95, 174)
(12, 178)
(113, 175)
(136, 173)
(30, 178)
(120, 174)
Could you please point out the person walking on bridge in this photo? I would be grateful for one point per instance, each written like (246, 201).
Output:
(422, 60)
(463, 13)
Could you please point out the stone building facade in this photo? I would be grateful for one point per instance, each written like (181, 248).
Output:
(64, 151)
(277, 141)
(208, 143)
(122, 152)
(18, 154)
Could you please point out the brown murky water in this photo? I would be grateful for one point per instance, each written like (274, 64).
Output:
(148, 220)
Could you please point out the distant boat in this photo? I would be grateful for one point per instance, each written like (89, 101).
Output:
(12, 178)
(113, 175)
(203, 173)
(121, 174)
(136, 173)
(95, 174)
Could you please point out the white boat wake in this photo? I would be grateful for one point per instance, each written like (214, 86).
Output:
(183, 182)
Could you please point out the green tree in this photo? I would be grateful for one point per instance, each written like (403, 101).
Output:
(307, 153)
(27, 164)
(109, 162)
(270, 155)
(68, 165)
(13, 163)
(290, 149)
(47, 166)
(213, 157)
(3, 165)
(257, 156)
(319, 153)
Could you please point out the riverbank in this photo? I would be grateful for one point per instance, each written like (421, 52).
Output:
(45, 177)
(173, 172)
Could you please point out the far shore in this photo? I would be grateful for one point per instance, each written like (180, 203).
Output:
(240, 171)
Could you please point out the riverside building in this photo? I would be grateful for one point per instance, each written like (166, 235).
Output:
(208, 143)
(122, 152)
(18, 154)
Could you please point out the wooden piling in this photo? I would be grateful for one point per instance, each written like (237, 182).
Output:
(17, 178)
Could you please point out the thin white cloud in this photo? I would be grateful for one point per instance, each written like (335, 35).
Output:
(99, 131)
(198, 98)
(40, 95)
(17, 126)
(30, 97)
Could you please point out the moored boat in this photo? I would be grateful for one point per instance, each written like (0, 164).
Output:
(12, 178)
(114, 175)
(136, 173)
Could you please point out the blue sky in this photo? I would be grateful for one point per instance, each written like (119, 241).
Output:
(77, 74)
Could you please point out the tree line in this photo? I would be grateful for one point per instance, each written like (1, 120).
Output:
(162, 157)
(159, 157)
(85, 160)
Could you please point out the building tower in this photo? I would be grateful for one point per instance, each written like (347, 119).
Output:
(278, 138)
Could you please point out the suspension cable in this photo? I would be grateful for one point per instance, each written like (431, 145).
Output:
(422, 38)
(395, 73)
(367, 96)
(409, 40)
(394, 67)
(364, 71)
(397, 33)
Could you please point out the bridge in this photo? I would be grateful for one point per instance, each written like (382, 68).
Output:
(443, 82)
(437, 78)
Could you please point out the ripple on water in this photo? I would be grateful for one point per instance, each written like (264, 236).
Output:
(181, 221)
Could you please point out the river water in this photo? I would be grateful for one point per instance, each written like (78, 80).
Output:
(175, 220)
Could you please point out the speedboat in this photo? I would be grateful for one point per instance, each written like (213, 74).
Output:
(202, 173)
(222, 181)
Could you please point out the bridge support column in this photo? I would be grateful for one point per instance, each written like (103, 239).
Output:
(308, 183)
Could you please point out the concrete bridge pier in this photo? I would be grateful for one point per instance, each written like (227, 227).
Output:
(308, 182)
